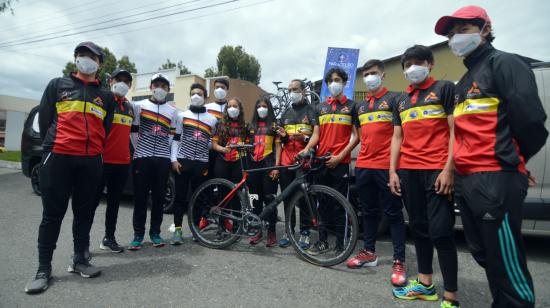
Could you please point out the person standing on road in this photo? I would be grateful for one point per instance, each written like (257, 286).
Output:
(116, 158)
(189, 154)
(499, 126)
(152, 133)
(216, 108)
(267, 153)
(421, 170)
(375, 129)
(336, 135)
(74, 117)
(296, 126)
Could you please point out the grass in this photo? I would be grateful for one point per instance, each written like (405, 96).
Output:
(11, 156)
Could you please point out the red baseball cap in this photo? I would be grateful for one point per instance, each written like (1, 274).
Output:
(464, 13)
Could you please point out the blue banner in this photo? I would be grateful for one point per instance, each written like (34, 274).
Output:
(345, 58)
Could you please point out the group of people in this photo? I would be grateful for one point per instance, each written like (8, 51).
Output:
(433, 143)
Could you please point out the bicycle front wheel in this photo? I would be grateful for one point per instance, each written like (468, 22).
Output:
(215, 213)
(325, 231)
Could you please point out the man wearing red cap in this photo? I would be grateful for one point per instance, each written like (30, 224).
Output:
(499, 126)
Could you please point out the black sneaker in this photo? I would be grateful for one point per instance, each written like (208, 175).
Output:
(318, 248)
(111, 245)
(40, 282)
(84, 268)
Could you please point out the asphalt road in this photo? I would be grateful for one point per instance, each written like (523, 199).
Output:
(194, 276)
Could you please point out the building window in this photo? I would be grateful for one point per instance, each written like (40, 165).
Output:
(359, 95)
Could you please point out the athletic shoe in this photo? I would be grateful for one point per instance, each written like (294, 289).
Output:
(111, 245)
(156, 240)
(84, 268)
(271, 239)
(40, 282)
(363, 258)
(304, 240)
(177, 238)
(284, 242)
(256, 238)
(416, 290)
(136, 243)
(449, 304)
(318, 248)
(203, 223)
(398, 274)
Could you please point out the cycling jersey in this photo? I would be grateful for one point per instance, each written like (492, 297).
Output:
(265, 138)
(75, 116)
(216, 109)
(154, 125)
(117, 146)
(499, 118)
(422, 112)
(300, 118)
(336, 118)
(237, 135)
(193, 135)
(375, 116)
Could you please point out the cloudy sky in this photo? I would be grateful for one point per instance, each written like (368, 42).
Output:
(289, 37)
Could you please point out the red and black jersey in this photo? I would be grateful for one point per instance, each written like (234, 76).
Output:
(299, 118)
(236, 135)
(499, 118)
(117, 146)
(374, 119)
(75, 116)
(422, 113)
(264, 138)
(336, 118)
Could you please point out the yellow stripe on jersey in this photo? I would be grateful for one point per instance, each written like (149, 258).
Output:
(374, 117)
(122, 119)
(78, 106)
(305, 129)
(333, 118)
(473, 106)
(423, 113)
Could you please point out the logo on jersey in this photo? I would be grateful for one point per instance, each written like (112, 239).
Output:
(305, 120)
(155, 129)
(324, 110)
(384, 106)
(474, 91)
(362, 109)
(98, 101)
(413, 114)
(401, 106)
(431, 98)
(345, 109)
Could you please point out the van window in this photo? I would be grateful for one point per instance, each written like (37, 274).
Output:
(35, 126)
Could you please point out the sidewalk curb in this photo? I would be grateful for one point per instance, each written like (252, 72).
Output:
(10, 164)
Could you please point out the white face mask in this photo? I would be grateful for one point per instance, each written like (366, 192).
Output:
(463, 44)
(373, 82)
(262, 112)
(119, 89)
(296, 97)
(233, 112)
(335, 88)
(417, 73)
(197, 100)
(159, 94)
(220, 93)
(86, 66)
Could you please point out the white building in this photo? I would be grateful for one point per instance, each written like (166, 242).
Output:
(13, 112)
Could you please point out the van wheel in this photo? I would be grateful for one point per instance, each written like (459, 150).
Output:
(35, 179)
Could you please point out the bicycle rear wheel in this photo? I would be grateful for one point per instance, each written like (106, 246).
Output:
(216, 223)
(331, 221)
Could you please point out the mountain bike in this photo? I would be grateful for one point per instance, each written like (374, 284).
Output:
(281, 100)
(221, 212)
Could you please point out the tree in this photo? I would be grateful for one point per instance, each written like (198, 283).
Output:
(211, 72)
(110, 63)
(7, 5)
(169, 64)
(234, 62)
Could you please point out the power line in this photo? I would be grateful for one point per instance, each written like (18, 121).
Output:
(96, 23)
(143, 28)
(119, 25)
(81, 8)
